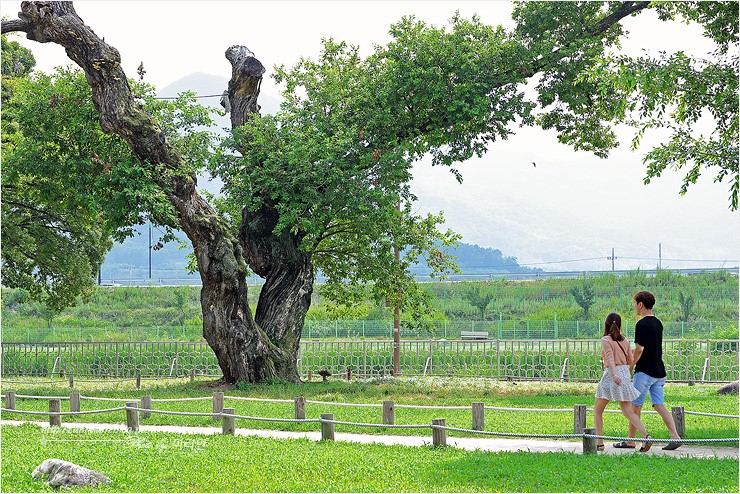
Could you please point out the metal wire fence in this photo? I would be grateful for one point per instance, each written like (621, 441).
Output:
(686, 360)
(375, 329)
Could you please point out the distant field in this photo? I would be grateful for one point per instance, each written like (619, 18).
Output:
(544, 309)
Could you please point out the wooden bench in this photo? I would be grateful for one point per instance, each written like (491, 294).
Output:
(474, 335)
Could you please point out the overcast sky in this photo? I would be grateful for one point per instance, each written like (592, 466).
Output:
(570, 206)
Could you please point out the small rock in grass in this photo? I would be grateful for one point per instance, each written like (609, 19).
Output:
(66, 474)
(729, 389)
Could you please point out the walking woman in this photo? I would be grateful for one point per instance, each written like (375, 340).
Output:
(615, 384)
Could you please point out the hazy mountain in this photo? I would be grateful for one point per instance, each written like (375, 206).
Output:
(130, 260)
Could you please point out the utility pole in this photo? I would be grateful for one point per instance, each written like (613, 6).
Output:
(397, 319)
(396, 330)
(613, 257)
(150, 250)
(660, 256)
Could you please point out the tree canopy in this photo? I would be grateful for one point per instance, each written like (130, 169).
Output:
(324, 183)
(68, 189)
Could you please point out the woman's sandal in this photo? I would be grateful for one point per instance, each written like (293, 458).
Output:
(624, 445)
(648, 444)
(599, 447)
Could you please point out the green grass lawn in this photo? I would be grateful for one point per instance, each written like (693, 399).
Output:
(162, 462)
(403, 391)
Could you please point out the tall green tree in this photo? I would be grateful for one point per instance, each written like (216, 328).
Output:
(478, 298)
(68, 189)
(584, 296)
(324, 183)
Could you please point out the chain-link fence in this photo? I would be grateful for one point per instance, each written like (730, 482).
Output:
(379, 329)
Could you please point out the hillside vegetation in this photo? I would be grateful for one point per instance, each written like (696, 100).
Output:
(704, 305)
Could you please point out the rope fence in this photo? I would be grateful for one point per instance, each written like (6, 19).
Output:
(135, 408)
(438, 426)
(342, 404)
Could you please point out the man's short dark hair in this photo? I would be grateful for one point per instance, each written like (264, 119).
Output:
(647, 299)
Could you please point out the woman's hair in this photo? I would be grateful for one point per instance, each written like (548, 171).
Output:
(613, 326)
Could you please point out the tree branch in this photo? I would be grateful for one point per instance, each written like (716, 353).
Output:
(57, 22)
(16, 25)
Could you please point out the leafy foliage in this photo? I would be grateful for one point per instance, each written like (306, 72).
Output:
(478, 297)
(584, 296)
(69, 190)
(17, 60)
(687, 303)
(681, 95)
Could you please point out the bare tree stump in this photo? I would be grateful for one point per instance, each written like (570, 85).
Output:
(228, 423)
(146, 402)
(478, 416)
(439, 436)
(132, 416)
(300, 407)
(389, 413)
(74, 402)
(589, 443)
(10, 400)
(55, 406)
(579, 419)
(327, 428)
(678, 419)
(218, 404)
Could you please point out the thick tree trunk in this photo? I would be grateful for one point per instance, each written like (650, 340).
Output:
(286, 294)
(288, 271)
(243, 349)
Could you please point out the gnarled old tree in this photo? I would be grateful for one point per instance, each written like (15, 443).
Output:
(317, 185)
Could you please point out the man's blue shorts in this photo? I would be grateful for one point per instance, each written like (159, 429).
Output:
(645, 384)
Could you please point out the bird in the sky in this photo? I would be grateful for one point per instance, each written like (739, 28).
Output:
(534, 164)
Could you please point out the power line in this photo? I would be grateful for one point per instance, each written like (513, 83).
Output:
(195, 96)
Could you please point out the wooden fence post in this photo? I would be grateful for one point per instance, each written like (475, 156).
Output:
(327, 428)
(478, 416)
(10, 400)
(299, 403)
(439, 436)
(138, 381)
(218, 404)
(55, 405)
(227, 423)
(589, 443)
(146, 402)
(310, 376)
(74, 402)
(678, 418)
(579, 419)
(71, 381)
(389, 413)
(132, 416)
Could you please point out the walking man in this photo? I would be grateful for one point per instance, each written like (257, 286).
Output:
(649, 368)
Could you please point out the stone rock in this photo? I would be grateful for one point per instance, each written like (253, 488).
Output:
(66, 474)
(729, 389)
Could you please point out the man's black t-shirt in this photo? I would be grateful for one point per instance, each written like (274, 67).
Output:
(649, 335)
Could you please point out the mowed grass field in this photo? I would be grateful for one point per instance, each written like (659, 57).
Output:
(162, 462)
